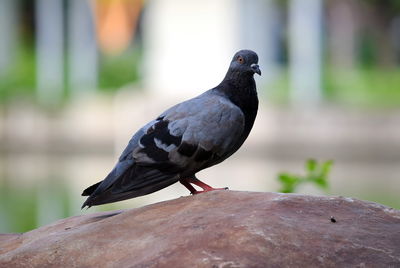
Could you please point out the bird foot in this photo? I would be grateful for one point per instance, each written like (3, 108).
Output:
(206, 188)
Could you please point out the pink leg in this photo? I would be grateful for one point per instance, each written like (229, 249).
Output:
(206, 188)
(188, 186)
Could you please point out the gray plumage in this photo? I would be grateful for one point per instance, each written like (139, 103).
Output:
(186, 138)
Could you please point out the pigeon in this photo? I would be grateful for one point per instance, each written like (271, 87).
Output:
(188, 137)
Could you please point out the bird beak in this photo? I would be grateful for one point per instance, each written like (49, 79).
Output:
(255, 68)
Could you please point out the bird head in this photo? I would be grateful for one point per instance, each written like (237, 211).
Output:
(246, 62)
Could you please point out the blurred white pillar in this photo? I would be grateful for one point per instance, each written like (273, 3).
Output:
(8, 31)
(82, 47)
(395, 36)
(305, 53)
(189, 44)
(49, 50)
(258, 22)
(343, 27)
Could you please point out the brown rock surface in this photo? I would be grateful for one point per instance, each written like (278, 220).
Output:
(218, 229)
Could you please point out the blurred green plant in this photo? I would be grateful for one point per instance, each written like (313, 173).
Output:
(374, 88)
(20, 206)
(116, 71)
(316, 174)
(19, 80)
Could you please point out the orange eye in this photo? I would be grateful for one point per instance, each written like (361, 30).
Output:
(240, 59)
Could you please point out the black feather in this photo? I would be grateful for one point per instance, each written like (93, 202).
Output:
(187, 149)
(136, 181)
(88, 191)
(202, 155)
(160, 132)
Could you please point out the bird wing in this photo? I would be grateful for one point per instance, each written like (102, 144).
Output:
(191, 135)
(183, 140)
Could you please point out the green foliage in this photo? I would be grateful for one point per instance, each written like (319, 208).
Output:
(21, 207)
(17, 211)
(116, 71)
(316, 173)
(367, 87)
(19, 80)
(20, 77)
(392, 6)
(376, 88)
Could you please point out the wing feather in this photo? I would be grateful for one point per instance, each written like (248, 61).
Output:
(189, 134)
(184, 139)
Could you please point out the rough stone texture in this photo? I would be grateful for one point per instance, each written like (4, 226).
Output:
(217, 229)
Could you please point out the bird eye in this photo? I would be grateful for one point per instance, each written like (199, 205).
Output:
(240, 59)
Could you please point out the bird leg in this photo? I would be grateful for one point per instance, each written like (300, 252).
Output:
(206, 188)
(188, 186)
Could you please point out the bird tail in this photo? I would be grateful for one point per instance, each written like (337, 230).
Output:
(88, 191)
(135, 181)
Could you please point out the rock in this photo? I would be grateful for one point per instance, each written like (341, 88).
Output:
(218, 229)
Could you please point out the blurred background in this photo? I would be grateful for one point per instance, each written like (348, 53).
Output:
(78, 78)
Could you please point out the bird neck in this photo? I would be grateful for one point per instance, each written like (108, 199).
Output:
(241, 90)
(239, 77)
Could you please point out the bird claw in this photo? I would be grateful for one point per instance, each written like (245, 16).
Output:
(208, 190)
